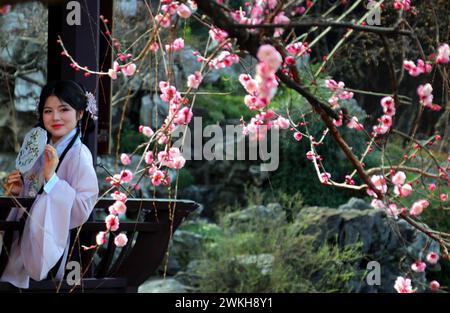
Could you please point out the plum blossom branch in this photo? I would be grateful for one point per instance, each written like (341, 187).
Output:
(377, 170)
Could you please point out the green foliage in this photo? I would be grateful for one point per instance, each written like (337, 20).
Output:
(279, 258)
(185, 178)
(291, 203)
(222, 107)
(303, 268)
(130, 139)
(211, 233)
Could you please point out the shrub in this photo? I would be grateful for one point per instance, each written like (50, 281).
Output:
(280, 259)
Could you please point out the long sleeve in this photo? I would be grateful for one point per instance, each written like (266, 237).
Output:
(46, 231)
(86, 186)
(67, 205)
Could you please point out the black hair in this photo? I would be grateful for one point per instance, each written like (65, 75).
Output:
(73, 94)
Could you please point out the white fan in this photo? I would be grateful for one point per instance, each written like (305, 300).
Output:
(32, 148)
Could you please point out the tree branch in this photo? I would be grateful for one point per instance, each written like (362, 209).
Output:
(325, 23)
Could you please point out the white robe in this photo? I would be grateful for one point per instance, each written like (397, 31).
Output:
(46, 233)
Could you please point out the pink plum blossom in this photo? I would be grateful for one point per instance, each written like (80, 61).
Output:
(399, 178)
(432, 187)
(403, 285)
(418, 266)
(112, 222)
(118, 207)
(325, 177)
(250, 85)
(425, 94)
(443, 54)
(379, 183)
(217, 34)
(119, 196)
(434, 285)
(224, 59)
(403, 191)
(402, 5)
(377, 204)
(120, 240)
(386, 120)
(147, 131)
(157, 178)
(100, 238)
(269, 55)
(112, 73)
(129, 70)
(177, 45)
(298, 136)
(418, 207)
(194, 80)
(184, 11)
(163, 20)
(126, 176)
(310, 155)
(415, 70)
(125, 159)
(172, 158)
(297, 48)
(148, 157)
(280, 18)
(392, 210)
(432, 257)
(282, 122)
(154, 46)
(184, 116)
(355, 124)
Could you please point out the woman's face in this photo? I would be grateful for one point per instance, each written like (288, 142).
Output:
(59, 117)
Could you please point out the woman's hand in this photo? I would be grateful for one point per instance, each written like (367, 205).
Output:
(51, 161)
(14, 183)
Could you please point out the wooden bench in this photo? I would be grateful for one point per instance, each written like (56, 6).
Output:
(113, 269)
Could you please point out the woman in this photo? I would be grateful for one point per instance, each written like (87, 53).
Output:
(64, 182)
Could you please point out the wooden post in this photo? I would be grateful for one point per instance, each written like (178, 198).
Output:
(105, 88)
(88, 47)
(83, 40)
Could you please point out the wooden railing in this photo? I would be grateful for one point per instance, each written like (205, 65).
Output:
(111, 268)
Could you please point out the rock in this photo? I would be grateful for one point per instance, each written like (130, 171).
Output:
(21, 50)
(254, 216)
(186, 246)
(355, 203)
(194, 265)
(191, 277)
(263, 261)
(27, 93)
(187, 61)
(168, 285)
(395, 245)
(127, 7)
(14, 22)
(207, 195)
(153, 112)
